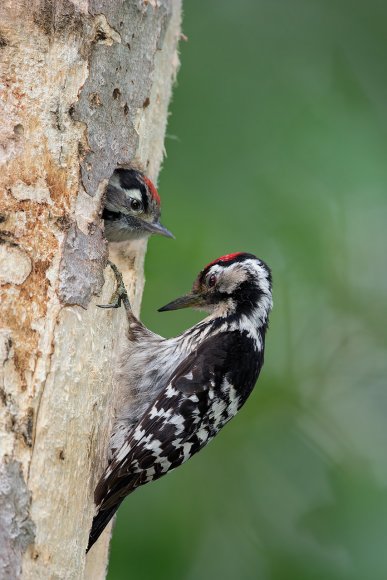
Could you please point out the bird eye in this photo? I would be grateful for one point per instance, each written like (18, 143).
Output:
(135, 204)
(212, 280)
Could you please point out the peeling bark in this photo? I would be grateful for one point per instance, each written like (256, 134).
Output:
(85, 87)
(16, 528)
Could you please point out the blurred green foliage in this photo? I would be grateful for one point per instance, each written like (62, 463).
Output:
(277, 145)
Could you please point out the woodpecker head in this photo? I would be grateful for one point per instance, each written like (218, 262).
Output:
(132, 207)
(235, 284)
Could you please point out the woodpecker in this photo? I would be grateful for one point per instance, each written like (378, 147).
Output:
(132, 207)
(176, 394)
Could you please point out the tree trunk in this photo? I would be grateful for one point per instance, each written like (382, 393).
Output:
(85, 86)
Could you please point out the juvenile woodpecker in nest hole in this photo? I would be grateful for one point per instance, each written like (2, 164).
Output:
(132, 207)
(176, 394)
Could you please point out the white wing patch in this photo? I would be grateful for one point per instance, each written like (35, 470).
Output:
(155, 446)
(138, 433)
(178, 421)
(234, 402)
(202, 435)
(123, 452)
(187, 451)
(218, 407)
(170, 392)
(161, 413)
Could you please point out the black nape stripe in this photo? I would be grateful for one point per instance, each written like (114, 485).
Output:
(131, 179)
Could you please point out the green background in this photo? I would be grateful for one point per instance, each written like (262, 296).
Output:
(277, 145)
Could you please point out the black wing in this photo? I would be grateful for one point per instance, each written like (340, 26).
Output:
(204, 392)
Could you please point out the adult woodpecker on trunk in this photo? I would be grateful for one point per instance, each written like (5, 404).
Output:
(132, 207)
(176, 394)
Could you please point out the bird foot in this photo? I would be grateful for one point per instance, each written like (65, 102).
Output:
(120, 294)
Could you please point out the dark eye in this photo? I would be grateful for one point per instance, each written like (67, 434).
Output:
(135, 204)
(212, 280)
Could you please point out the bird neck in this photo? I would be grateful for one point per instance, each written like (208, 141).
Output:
(249, 302)
(250, 316)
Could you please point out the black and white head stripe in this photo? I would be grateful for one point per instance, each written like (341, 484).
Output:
(248, 265)
(137, 186)
(240, 282)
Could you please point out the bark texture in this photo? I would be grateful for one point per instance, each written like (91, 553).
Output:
(85, 87)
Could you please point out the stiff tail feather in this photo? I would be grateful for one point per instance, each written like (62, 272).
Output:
(100, 522)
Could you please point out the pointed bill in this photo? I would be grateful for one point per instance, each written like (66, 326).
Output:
(188, 301)
(157, 228)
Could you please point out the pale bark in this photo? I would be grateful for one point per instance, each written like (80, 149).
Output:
(85, 87)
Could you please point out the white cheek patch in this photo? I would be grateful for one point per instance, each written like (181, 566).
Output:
(232, 278)
(229, 278)
(134, 194)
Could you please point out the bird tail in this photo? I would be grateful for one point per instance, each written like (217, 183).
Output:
(100, 522)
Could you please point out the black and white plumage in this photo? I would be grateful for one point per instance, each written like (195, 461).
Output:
(176, 394)
(132, 207)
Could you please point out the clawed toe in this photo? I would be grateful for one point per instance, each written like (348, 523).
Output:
(120, 295)
(113, 304)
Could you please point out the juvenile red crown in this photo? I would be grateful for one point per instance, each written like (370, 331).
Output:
(152, 189)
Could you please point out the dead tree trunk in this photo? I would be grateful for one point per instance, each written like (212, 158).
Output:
(85, 86)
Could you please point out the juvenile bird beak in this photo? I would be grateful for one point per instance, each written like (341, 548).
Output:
(157, 228)
(187, 301)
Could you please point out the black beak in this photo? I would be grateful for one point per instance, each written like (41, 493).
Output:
(187, 301)
(157, 228)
